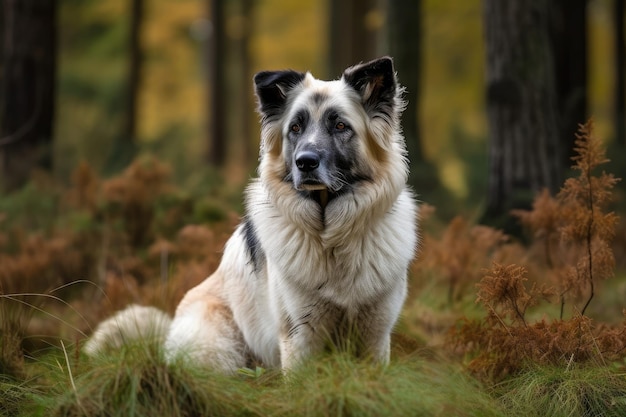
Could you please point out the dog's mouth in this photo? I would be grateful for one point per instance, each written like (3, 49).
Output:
(322, 196)
(317, 192)
(313, 186)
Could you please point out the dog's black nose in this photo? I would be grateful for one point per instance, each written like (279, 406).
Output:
(307, 161)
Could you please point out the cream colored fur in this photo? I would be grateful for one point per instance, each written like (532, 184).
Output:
(135, 322)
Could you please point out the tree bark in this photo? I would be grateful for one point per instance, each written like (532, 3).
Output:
(569, 42)
(216, 155)
(28, 86)
(405, 45)
(620, 72)
(124, 147)
(524, 149)
(353, 33)
(134, 70)
(245, 84)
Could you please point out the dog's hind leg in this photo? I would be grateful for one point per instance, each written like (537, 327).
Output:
(204, 333)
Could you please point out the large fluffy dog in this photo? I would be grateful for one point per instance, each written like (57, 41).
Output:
(321, 256)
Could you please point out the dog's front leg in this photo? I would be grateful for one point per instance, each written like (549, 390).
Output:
(294, 349)
(375, 323)
(377, 342)
(301, 337)
(305, 330)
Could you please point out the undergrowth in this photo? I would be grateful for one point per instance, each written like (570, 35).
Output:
(574, 230)
(136, 382)
(99, 245)
(560, 392)
(537, 326)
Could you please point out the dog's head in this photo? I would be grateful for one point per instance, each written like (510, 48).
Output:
(325, 137)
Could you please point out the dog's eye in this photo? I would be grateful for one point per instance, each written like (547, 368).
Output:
(340, 126)
(295, 128)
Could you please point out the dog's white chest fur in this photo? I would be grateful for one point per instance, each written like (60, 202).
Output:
(349, 264)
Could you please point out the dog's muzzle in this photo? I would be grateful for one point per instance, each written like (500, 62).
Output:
(308, 163)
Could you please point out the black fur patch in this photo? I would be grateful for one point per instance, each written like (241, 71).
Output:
(378, 77)
(319, 98)
(271, 89)
(257, 256)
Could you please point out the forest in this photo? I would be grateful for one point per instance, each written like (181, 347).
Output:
(128, 133)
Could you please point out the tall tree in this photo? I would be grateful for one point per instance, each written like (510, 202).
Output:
(404, 39)
(353, 33)
(620, 71)
(28, 89)
(245, 83)
(125, 147)
(568, 29)
(524, 149)
(216, 154)
(134, 68)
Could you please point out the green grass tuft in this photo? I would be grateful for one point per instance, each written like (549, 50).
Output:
(559, 392)
(135, 381)
(342, 386)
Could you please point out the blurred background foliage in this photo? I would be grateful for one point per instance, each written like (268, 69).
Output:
(173, 106)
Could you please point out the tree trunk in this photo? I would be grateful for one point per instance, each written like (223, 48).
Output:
(28, 86)
(134, 70)
(405, 40)
(620, 72)
(524, 151)
(245, 85)
(124, 148)
(569, 43)
(216, 155)
(353, 33)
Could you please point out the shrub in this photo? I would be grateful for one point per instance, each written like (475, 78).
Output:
(505, 342)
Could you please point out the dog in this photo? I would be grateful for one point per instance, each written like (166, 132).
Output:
(321, 256)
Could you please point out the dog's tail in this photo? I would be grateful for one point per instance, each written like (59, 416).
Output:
(127, 326)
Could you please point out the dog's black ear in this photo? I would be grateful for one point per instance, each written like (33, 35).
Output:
(376, 82)
(272, 88)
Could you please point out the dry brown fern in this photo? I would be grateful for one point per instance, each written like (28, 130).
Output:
(96, 256)
(575, 230)
(130, 198)
(460, 254)
(587, 227)
(575, 227)
(543, 222)
(503, 293)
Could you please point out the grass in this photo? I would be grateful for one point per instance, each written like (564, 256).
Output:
(558, 392)
(411, 386)
(135, 381)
